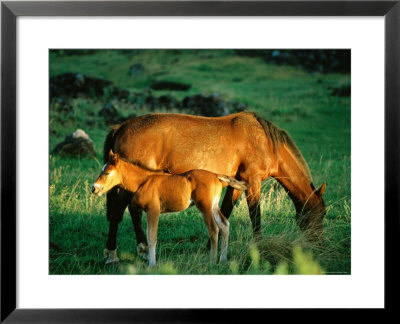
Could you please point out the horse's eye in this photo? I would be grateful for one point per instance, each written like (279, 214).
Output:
(106, 173)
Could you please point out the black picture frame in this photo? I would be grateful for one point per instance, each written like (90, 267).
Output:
(9, 13)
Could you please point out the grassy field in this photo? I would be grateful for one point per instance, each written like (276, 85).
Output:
(294, 99)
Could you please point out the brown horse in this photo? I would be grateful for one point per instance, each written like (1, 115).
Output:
(241, 145)
(157, 193)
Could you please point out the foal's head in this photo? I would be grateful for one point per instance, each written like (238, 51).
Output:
(109, 177)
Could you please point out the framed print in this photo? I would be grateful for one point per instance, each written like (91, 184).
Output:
(154, 106)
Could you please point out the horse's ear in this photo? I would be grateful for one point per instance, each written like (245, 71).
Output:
(321, 190)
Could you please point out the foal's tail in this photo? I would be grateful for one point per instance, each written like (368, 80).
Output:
(240, 185)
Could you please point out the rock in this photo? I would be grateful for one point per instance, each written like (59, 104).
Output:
(199, 104)
(73, 85)
(136, 69)
(170, 85)
(76, 144)
(324, 61)
(210, 106)
(120, 94)
(235, 106)
(168, 102)
(151, 101)
(62, 105)
(146, 98)
(111, 114)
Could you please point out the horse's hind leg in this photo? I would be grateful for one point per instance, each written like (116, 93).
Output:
(136, 216)
(253, 201)
(117, 200)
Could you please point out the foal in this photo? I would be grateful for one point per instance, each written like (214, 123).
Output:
(157, 192)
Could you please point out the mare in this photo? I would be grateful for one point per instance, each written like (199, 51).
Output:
(241, 145)
(157, 193)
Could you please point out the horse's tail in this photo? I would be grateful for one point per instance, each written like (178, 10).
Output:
(109, 142)
(240, 185)
(280, 136)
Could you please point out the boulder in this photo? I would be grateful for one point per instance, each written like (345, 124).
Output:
(136, 69)
(76, 144)
(315, 60)
(72, 84)
(111, 114)
(75, 84)
(210, 106)
(62, 105)
(170, 85)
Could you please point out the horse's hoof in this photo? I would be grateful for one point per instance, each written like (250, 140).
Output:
(112, 261)
(111, 255)
(142, 250)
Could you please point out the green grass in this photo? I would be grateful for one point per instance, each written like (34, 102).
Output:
(294, 99)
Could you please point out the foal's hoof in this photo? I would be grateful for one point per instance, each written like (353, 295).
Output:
(111, 256)
(142, 250)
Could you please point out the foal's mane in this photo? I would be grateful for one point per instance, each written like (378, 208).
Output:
(280, 136)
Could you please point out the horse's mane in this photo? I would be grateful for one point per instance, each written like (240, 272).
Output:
(109, 142)
(279, 136)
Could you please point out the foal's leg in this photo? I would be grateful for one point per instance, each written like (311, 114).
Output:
(223, 225)
(117, 200)
(136, 216)
(231, 197)
(253, 201)
(152, 227)
(207, 211)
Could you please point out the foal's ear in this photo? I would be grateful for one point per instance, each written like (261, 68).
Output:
(110, 155)
(113, 157)
(321, 190)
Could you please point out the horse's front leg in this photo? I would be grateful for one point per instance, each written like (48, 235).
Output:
(136, 216)
(117, 200)
(231, 197)
(152, 228)
(253, 202)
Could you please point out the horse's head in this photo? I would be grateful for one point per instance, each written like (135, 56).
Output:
(310, 216)
(109, 176)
